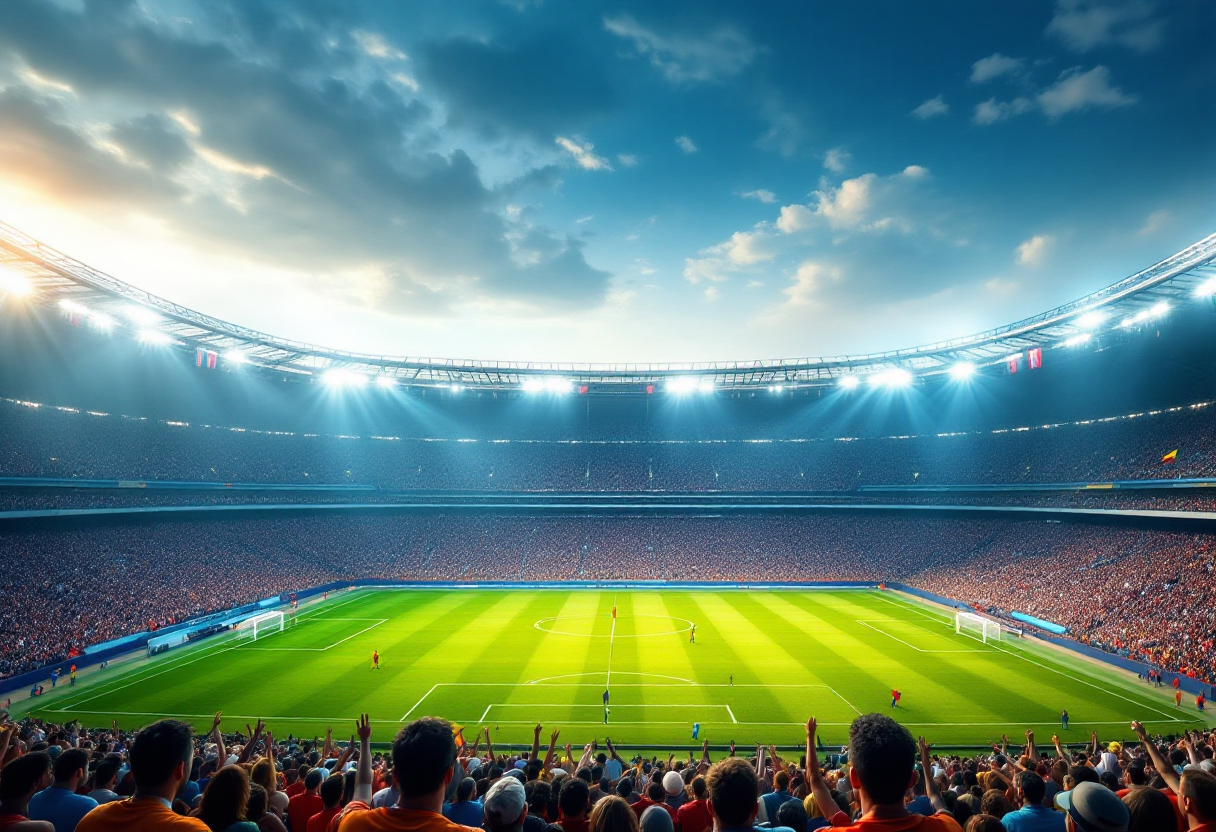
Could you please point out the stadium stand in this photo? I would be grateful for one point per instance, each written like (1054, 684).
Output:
(49, 442)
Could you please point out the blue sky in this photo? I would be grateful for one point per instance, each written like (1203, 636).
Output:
(611, 182)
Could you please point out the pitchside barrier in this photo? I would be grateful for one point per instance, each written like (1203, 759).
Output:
(112, 649)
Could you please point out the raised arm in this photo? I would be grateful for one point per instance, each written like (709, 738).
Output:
(1162, 765)
(819, 786)
(777, 763)
(550, 760)
(247, 751)
(218, 739)
(535, 743)
(1055, 740)
(926, 767)
(489, 746)
(586, 758)
(274, 777)
(363, 774)
(1030, 747)
(705, 753)
(345, 756)
(329, 744)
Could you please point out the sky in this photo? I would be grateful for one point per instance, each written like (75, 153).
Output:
(532, 180)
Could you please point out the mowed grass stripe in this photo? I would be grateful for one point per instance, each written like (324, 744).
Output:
(480, 647)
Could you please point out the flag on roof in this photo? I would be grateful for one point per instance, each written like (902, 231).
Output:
(1170, 457)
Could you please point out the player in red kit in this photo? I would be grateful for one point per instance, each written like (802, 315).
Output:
(375, 660)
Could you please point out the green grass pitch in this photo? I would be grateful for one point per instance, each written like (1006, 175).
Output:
(510, 658)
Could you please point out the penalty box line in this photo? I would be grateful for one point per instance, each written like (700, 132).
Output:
(808, 686)
(255, 647)
(908, 607)
(204, 652)
(486, 713)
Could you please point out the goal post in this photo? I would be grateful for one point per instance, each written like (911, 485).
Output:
(260, 626)
(976, 626)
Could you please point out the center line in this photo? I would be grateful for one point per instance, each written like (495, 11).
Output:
(611, 638)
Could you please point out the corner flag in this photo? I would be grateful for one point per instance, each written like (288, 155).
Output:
(1170, 457)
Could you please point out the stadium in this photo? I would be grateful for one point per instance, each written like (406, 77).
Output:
(303, 572)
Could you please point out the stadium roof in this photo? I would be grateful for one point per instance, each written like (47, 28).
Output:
(55, 279)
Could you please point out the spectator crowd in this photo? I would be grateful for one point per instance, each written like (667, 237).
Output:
(432, 778)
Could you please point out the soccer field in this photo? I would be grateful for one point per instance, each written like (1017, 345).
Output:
(511, 658)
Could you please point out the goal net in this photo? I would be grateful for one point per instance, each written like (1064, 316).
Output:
(976, 626)
(260, 626)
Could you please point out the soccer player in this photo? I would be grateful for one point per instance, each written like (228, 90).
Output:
(54, 677)
(605, 697)
(375, 660)
(732, 680)
(1064, 719)
(72, 672)
(696, 730)
(692, 635)
(1199, 702)
(1177, 697)
(605, 711)
(895, 697)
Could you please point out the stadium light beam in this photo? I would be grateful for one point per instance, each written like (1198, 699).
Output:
(73, 307)
(1206, 289)
(892, 378)
(962, 371)
(682, 385)
(342, 378)
(154, 337)
(775, 388)
(850, 382)
(140, 316)
(1077, 340)
(15, 284)
(1091, 319)
(102, 321)
(386, 382)
(235, 357)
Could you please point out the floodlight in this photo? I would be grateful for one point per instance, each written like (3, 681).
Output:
(1155, 311)
(342, 377)
(706, 385)
(140, 316)
(775, 388)
(235, 357)
(1090, 319)
(682, 385)
(102, 321)
(1077, 340)
(558, 385)
(962, 371)
(894, 377)
(455, 388)
(849, 382)
(386, 382)
(73, 307)
(14, 284)
(1206, 289)
(1158, 309)
(533, 385)
(153, 336)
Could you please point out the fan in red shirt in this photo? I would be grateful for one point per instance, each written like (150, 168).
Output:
(694, 815)
(655, 796)
(307, 803)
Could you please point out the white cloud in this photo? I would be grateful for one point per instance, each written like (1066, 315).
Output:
(932, 108)
(761, 194)
(992, 111)
(1033, 252)
(755, 284)
(801, 293)
(1087, 24)
(627, 160)
(836, 160)
(687, 57)
(1078, 90)
(582, 153)
(1154, 222)
(407, 81)
(585, 219)
(686, 144)
(864, 203)
(712, 293)
(994, 66)
(376, 46)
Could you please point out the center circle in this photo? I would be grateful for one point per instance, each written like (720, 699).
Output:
(588, 626)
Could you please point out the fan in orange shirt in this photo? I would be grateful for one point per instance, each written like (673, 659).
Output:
(424, 755)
